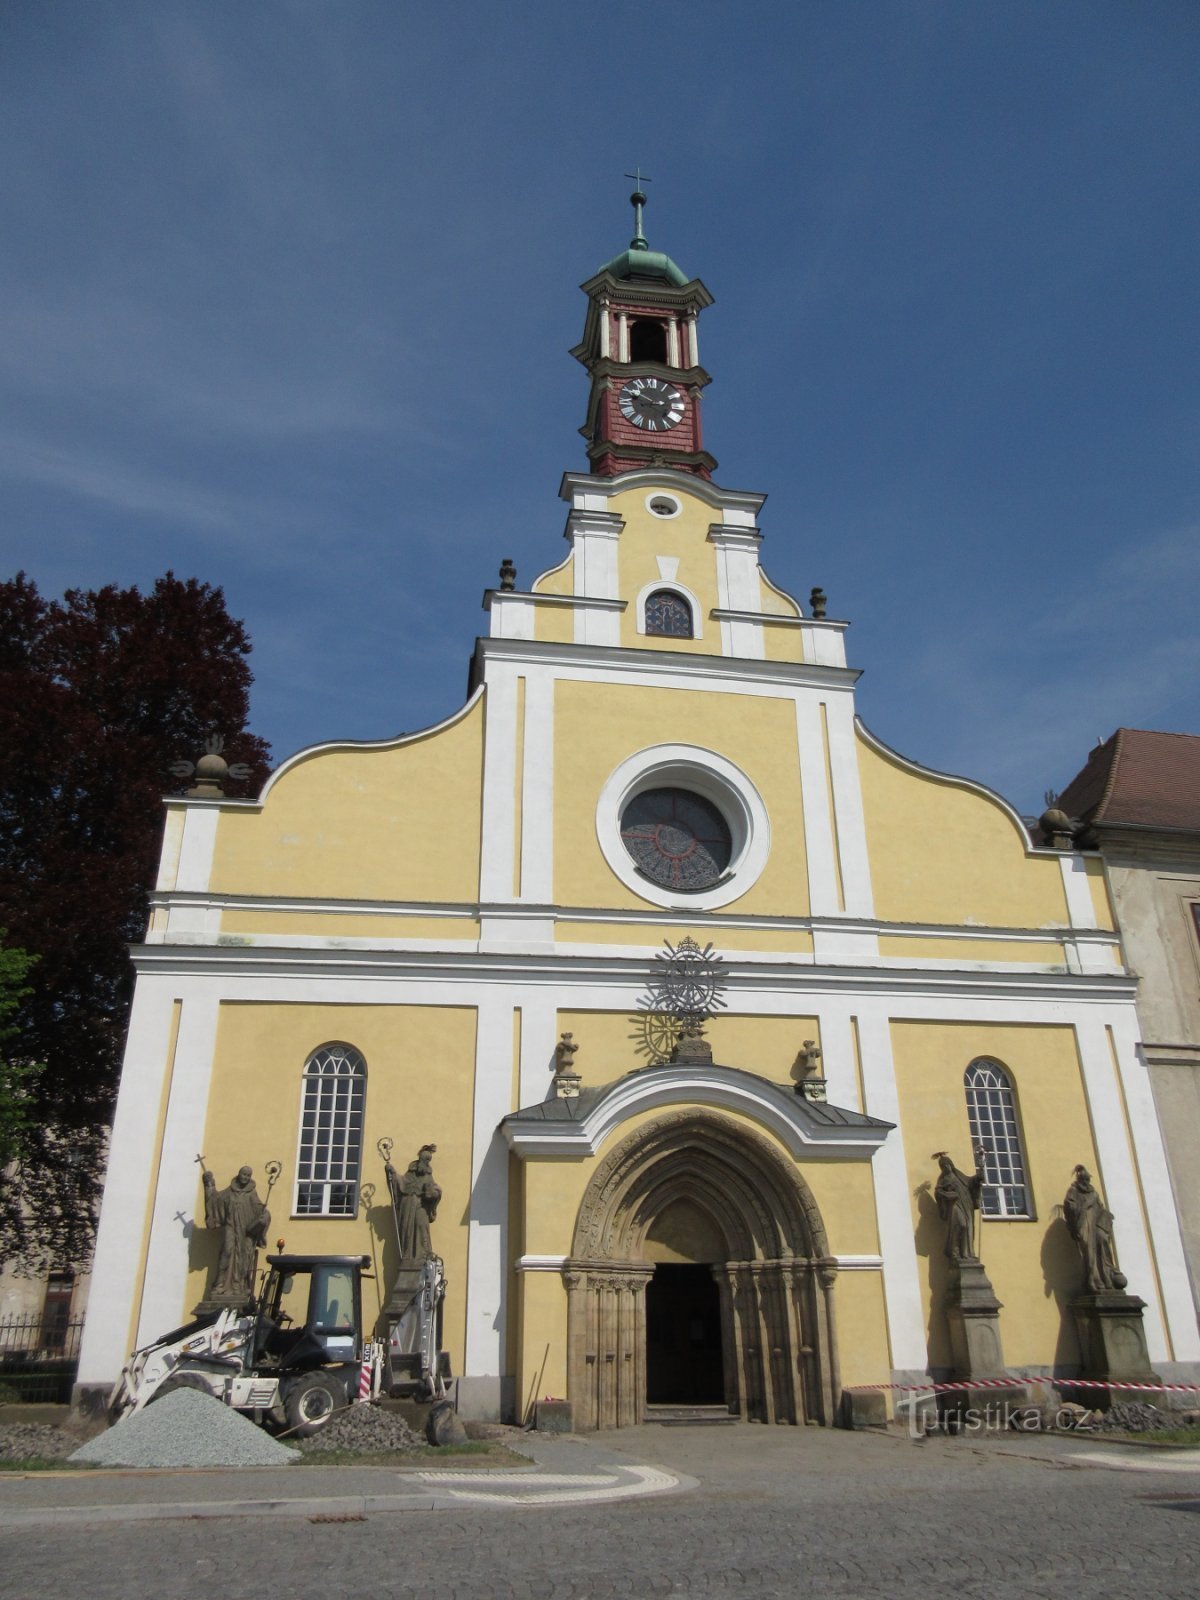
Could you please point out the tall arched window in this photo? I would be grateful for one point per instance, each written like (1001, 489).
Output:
(668, 614)
(992, 1110)
(331, 1124)
(648, 341)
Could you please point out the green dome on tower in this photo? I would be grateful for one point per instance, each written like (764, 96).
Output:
(639, 261)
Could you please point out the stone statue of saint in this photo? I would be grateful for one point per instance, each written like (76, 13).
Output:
(415, 1199)
(244, 1222)
(957, 1197)
(1090, 1224)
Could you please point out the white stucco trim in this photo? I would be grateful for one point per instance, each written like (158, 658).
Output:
(178, 1178)
(539, 1035)
(487, 1229)
(675, 587)
(643, 667)
(689, 1085)
(739, 507)
(1080, 906)
(661, 495)
(708, 774)
(859, 1263)
(820, 855)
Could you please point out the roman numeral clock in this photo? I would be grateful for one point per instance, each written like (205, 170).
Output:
(641, 349)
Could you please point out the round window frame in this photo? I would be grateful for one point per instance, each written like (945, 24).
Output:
(672, 500)
(715, 779)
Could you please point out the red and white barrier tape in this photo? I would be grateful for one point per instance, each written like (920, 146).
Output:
(364, 1376)
(1017, 1380)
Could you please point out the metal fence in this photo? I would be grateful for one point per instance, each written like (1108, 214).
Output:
(39, 1355)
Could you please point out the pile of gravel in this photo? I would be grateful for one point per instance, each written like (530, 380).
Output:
(364, 1428)
(185, 1429)
(26, 1441)
(1134, 1416)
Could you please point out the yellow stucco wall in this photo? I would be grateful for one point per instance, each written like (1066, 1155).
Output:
(383, 823)
(788, 941)
(612, 1044)
(684, 537)
(597, 726)
(558, 580)
(254, 1117)
(1033, 1265)
(944, 853)
(1098, 884)
(960, 950)
(333, 926)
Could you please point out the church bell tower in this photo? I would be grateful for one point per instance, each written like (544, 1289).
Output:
(641, 350)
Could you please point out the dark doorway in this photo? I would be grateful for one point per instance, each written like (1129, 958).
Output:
(683, 1338)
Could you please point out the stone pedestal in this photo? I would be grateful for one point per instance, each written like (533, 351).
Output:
(405, 1284)
(223, 1302)
(1112, 1344)
(973, 1313)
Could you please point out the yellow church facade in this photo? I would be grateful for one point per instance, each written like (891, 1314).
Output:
(660, 745)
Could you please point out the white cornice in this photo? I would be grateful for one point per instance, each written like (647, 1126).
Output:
(712, 494)
(616, 663)
(560, 968)
(770, 1105)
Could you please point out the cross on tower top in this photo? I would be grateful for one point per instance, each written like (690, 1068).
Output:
(637, 200)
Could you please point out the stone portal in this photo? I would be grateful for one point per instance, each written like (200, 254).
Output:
(695, 1198)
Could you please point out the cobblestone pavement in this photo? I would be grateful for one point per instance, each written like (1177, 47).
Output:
(778, 1512)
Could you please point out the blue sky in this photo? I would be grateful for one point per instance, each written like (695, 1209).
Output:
(287, 289)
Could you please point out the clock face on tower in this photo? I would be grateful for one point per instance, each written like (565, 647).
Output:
(652, 404)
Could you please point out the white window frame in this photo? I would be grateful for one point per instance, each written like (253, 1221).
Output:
(996, 1126)
(672, 586)
(703, 772)
(342, 1146)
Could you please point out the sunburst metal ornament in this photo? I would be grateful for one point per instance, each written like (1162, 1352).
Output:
(685, 990)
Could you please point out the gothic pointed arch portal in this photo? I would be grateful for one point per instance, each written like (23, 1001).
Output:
(778, 1336)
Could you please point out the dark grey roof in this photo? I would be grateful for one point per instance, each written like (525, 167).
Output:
(816, 1112)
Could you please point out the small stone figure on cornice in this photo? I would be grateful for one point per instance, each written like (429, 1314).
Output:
(1090, 1224)
(508, 574)
(957, 1197)
(211, 771)
(817, 601)
(567, 1078)
(810, 1084)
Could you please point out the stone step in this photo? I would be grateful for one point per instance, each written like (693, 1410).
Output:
(690, 1416)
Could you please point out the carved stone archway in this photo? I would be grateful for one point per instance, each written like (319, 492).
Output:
(778, 1332)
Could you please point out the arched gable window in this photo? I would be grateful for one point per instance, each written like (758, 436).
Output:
(669, 615)
(992, 1110)
(331, 1130)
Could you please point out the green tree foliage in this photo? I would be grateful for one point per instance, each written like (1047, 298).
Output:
(99, 694)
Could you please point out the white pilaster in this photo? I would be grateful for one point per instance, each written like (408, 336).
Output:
(539, 1035)
(693, 341)
(1161, 1214)
(848, 807)
(537, 790)
(672, 343)
(605, 329)
(622, 337)
(499, 785)
(818, 820)
(1117, 1178)
(132, 1169)
(487, 1246)
(738, 589)
(183, 1135)
(893, 1206)
(196, 851)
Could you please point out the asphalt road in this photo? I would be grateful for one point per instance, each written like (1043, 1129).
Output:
(777, 1512)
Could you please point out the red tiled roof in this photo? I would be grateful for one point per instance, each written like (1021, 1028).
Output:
(1149, 780)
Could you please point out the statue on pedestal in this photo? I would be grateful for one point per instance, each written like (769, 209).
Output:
(415, 1199)
(1090, 1224)
(957, 1197)
(244, 1222)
